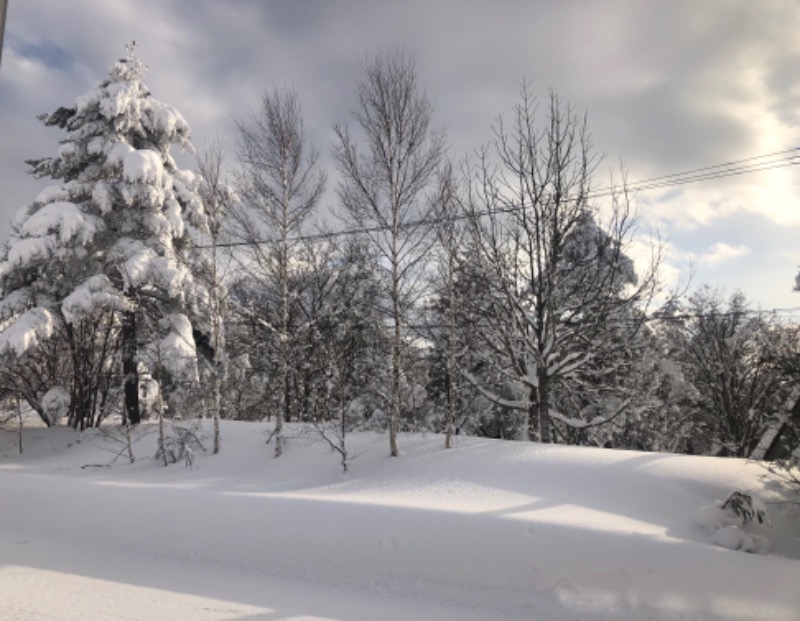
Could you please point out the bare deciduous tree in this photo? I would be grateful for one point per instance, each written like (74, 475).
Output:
(555, 260)
(736, 362)
(450, 235)
(382, 188)
(280, 187)
(218, 199)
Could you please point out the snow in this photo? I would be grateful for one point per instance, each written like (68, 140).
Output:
(50, 194)
(117, 151)
(728, 530)
(15, 302)
(734, 538)
(488, 530)
(31, 249)
(141, 266)
(143, 166)
(178, 354)
(45, 231)
(102, 197)
(94, 294)
(27, 331)
(56, 402)
(163, 118)
(64, 218)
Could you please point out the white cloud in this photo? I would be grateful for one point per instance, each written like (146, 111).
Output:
(667, 87)
(722, 252)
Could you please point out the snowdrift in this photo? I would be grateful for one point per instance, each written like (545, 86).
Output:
(487, 530)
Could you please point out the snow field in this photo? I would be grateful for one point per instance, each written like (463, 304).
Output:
(493, 529)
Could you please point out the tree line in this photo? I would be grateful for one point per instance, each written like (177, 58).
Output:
(495, 295)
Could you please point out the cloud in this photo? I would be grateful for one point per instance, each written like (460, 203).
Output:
(668, 86)
(722, 252)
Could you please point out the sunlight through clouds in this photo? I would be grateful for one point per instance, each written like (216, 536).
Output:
(667, 87)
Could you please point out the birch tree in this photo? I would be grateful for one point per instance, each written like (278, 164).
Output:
(451, 238)
(218, 199)
(280, 187)
(383, 187)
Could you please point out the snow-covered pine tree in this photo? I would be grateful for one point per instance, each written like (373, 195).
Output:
(113, 234)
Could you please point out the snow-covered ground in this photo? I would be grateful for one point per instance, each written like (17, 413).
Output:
(489, 530)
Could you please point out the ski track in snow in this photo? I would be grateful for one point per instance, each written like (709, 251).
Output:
(490, 530)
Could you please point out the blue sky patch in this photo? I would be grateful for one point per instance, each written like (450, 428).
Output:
(45, 52)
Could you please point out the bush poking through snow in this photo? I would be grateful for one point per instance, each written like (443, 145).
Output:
(747, 507)
(727, 522)
(180, 445)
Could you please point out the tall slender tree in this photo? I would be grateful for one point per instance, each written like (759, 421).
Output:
(280, 186)
(383, 187)
(451, 240)
(218, 199)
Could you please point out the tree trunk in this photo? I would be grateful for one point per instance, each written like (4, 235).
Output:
(451, 401)
(395, 409)
(451, 345)
(543, 409)
(131, 386)
(81, 397)
(396, 343)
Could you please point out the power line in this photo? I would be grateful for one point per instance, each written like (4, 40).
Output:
(705, 173)
(724, 165)
(791, 161)
(744, 312)
(638, 320)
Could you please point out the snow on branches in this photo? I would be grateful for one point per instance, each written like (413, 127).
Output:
(115, 232)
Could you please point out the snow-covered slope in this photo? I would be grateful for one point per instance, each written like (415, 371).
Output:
(489, 530)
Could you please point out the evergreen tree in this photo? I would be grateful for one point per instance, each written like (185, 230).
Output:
(113, 235)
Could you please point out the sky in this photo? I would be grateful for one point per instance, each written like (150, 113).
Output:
(667, 87)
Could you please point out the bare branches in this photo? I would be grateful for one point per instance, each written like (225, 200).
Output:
(280, 182)
(281, 185)
(382, 187)
(562, 284)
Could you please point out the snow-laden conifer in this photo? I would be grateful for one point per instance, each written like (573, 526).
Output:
(113, 234)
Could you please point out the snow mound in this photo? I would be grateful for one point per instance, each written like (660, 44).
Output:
(488, 530)
(733, 537)
(733, 529)
(56, 402)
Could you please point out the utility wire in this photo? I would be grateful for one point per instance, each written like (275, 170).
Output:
(746, 312)
(706, 173)
(716, 166)
(644, 319)
(791, 161)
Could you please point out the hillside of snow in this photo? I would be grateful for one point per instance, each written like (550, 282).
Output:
(488, 530)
